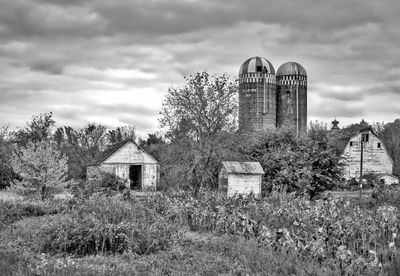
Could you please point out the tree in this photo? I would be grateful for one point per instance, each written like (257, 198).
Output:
(201, 108)
(6, 172)
(81, 146)
(41, 166)
(294, 163)
(199, 118)
(38, 129)
(121, 133)
(390, 134)
(154, 144)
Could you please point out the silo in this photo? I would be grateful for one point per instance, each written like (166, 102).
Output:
(257, 95)
(291, 96)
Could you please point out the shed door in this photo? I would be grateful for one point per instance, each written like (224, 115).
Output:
(135, 176)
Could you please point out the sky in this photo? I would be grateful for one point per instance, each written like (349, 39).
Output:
(111, 62)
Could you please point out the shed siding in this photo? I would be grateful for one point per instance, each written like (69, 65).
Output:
(389, 180)
(223, 180)
(150, 175)
(244, 184)
(376, 159)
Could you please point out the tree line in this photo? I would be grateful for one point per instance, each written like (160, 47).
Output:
(198, 130)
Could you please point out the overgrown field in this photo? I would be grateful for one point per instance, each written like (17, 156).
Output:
(177, 234)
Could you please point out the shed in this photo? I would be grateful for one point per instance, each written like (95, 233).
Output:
(128, 161)
(388, 179)
(240, 178)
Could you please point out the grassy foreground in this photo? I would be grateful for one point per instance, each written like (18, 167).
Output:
(176, 234)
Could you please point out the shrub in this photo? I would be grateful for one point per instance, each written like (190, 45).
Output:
(104, 183)
(106, 225)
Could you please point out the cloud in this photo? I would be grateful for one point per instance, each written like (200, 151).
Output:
(113, 61)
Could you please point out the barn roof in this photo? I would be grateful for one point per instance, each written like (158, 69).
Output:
(370, 129)
(113, 148)
(243, 167)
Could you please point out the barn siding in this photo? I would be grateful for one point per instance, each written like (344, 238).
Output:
(244, 184)
(375, 160)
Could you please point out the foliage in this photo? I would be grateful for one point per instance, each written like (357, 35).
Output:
(81, 146)
(198, 118)
(154, 145)
(336, 233)
(113, 226)
(104, 183)
(37, 130)
(121, 133)
(41, 166)
(295, 163)
(282, 234)
(201, 108)
(6, 172)
(390, 134)
(194, 166)
(15, 211)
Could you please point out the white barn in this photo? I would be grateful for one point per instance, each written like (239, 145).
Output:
(375, 157)
(128, 161)
(240, 178)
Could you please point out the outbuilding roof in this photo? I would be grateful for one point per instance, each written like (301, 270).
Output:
(111, 149)
(236, 167)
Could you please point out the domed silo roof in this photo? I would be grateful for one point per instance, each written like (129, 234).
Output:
(256, 64)
(291, 68)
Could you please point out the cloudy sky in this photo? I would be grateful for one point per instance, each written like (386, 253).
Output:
(111, 62)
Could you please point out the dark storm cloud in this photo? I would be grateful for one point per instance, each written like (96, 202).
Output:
(47, 67)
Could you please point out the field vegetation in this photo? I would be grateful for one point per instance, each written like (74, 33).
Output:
(178, 234)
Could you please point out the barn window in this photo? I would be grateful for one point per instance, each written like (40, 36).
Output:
(351, 143)
(366, 137)
(379, 145)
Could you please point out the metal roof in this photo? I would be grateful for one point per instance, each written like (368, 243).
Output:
(243, 167)
(291, 69)
(257, 64)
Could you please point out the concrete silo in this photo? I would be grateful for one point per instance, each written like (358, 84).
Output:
(291, 98)
(257, 95)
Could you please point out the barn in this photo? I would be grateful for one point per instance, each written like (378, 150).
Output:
(128, 161)
(365, 150)
(240, 178)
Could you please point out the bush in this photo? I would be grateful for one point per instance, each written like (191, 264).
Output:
(104, 183)
(106, 225)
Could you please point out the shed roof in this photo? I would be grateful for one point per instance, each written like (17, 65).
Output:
(111, 149)
(243, 167)
(387, 174)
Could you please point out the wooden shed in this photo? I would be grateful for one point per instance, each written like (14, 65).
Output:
(128, 161)
(240, 178)
(388, 179)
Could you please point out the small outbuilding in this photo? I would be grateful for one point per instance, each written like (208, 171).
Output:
(388, 179)
(241, 178)
(128, 161)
